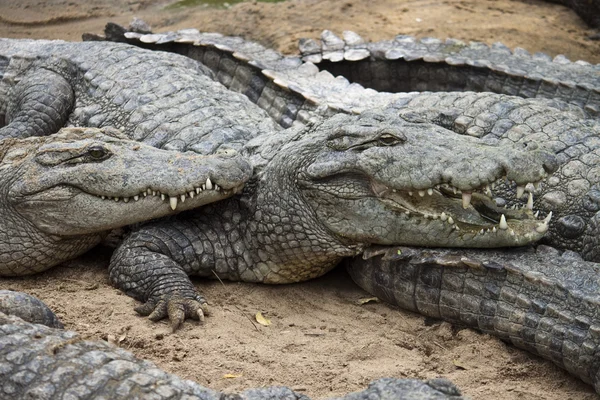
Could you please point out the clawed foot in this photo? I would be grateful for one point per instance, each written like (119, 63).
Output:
(176, 308)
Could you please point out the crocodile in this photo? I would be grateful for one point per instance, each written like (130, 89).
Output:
(324, 191)
(61, 194)
(42, 362)
(542, 300)
(291, 90)
(164, 100)
(572, 192)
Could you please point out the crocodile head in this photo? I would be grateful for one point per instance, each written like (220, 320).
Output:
(377, 179)
(60, 194)
(85, 180)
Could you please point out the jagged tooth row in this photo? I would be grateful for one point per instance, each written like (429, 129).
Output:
(487, 190)
(173, 199)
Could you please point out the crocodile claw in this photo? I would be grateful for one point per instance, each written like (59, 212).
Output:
(176, 308)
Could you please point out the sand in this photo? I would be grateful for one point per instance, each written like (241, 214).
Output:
(321, 342)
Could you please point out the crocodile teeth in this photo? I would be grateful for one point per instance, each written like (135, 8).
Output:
(154, 193)
(488, 191)
(209, 184)
(530, 201)
(537, 213)
(163, 197)
(173, 202)
(136, 197)
(182, 197)
(520, 191)
(503, 224)
(494, 229)
(421, 193)
(466, 199)
(450, 220)
(543, 227)
(149, 191)
(116, 199)
(198, 190)
(191, 193)
(103, 197)
(443, 216)
(430, 191)
(145, 194)
(126, 199)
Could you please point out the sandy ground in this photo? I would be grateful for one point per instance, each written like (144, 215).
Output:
(320, 342)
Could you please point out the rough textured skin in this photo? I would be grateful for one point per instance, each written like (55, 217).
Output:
(323, 192)
(28, 308)
(60, 194)
(290, 89)
(406, 64)
(572, 194)
(543, 301)
(160, 99)
(40, 362)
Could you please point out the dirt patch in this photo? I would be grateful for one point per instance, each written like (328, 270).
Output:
(321, 342)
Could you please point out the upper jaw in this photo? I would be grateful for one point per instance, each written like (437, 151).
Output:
(471, 210)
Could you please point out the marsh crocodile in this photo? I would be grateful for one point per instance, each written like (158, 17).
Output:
(61, 194)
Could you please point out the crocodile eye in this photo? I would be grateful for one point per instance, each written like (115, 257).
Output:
(97, 152)
(387, 139)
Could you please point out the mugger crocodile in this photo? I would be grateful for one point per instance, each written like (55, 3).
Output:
(164, 100)
(325, 191)
(41, 362)
(542, 300)
(291, 90)
(271, 80)
(61, 194)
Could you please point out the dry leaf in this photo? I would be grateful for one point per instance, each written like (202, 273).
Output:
(262, 320)
(366, 300)
(231, 376)
(459, 365)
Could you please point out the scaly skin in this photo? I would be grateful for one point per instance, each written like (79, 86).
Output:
(294, 91)
(323, 192)
(542, 301)
(164, 100)
(573, 192)
(61, 194)
(290, 89)
(40, 362)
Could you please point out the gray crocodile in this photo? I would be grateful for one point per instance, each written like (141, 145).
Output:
(291, 90)
(61, 194)
(325, 191)
(572, 192)
(544, 301)
(41, 362)
(160, 99)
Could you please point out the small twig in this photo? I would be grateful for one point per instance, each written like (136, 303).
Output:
(235, 305)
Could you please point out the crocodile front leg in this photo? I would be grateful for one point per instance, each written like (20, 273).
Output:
(542, 301)
(38, 105)
(149, 266)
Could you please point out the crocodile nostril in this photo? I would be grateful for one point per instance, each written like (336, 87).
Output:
(551, 163)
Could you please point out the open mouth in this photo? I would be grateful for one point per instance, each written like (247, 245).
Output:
(174, 198)
(473, 211)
